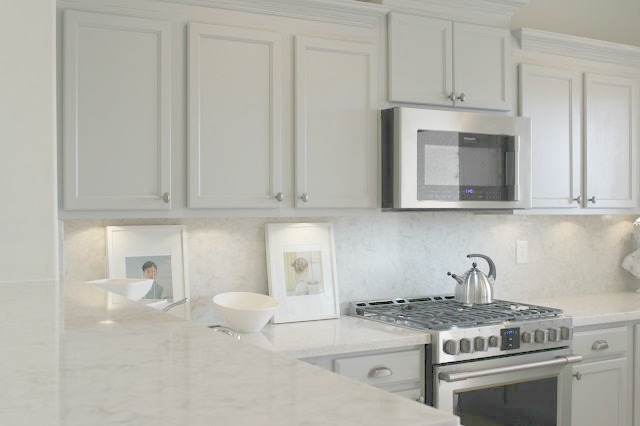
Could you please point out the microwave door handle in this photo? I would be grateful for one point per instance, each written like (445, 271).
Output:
(511, 161)
(560, 360)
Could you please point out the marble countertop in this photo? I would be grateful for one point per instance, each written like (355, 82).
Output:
(334, 337)
(596, 309)
(68, 359)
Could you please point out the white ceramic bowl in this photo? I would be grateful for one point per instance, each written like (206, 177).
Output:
(131, 288)
(246, 312)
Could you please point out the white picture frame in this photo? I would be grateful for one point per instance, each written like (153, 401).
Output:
(131, 250)
(301, 271)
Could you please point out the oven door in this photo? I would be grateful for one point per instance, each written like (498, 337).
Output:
(526, 389)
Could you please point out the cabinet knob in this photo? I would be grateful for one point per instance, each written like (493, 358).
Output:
(166, 197)
(379, 371)
(305, 197)
(279, 197)
(593, 199)
(578, 375)
(578, 199)
(453, 97)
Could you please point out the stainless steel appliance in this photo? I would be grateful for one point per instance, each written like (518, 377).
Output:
(501, 363)
(455, 160)
(474, 287)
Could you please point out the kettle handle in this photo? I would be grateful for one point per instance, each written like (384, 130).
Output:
(492, 266)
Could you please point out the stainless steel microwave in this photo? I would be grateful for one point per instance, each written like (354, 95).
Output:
(455, 160)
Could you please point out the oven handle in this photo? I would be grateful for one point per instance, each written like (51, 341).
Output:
(560, 360)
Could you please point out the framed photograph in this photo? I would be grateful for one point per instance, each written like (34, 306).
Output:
(301, 270)
(156, 252)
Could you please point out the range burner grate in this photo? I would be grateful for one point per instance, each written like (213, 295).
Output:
(443, 312)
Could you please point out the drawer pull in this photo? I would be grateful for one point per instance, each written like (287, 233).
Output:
(578, 375)
(379, 371)
(599, 345)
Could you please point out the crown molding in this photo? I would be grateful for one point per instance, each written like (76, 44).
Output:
(495, 7)
(577, 47)
(349, 12)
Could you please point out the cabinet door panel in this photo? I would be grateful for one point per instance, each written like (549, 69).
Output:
(117, 104)
(552, 99)
(234, 117)
(421, 75)
(611, 139)
(480, 72)
(335, 123)
(636, 386)
(599, 397)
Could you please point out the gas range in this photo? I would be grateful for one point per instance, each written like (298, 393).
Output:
(459, 332)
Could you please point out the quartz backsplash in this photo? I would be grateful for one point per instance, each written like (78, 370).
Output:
(392, 254)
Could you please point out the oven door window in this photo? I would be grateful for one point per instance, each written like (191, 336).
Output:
(454, 166)
(529, 403)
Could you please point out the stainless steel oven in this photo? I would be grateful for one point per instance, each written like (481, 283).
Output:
(526, 389)
(501, 363)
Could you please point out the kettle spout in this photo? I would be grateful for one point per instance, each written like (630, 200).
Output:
(456, 277)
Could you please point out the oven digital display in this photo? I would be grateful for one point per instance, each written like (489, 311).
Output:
(510, 338)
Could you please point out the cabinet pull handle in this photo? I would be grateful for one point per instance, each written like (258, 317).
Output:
(593, 199)
(305, 197)
(578, 375)
(279, 197)
(379, 371)
(578, 199)
(599, 345)
(166, 197)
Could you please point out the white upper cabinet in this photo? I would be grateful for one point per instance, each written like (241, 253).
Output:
(611, 141)
(116, 112)
(552, 98)
(605, 157)
(441, 62)
(235, 119)
(335, 123)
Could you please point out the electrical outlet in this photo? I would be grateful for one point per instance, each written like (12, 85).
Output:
(522, 252)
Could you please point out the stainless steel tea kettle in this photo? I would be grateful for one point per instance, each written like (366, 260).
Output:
(475, 287)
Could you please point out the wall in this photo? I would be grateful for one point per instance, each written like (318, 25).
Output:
(394, 254)
(29, 244)
(615, 21)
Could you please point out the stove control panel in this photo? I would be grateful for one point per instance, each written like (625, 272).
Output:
(508, 338)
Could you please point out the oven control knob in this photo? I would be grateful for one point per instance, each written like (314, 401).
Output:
(452, 347)
(493, 341)
(481, 344)
(565, 333)
(526, 337)
(465, 346)
(554, 334)
(542, 336)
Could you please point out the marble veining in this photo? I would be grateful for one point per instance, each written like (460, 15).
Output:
(382, 255)
(597, 308)
(67, 359)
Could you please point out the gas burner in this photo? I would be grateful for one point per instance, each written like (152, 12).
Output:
(444, 313)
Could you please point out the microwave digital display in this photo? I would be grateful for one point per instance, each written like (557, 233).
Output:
(456, 166)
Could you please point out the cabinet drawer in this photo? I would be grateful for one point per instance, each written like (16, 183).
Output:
(601, 342)
(381, 369)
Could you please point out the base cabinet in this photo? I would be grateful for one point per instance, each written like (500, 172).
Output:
(636, 378)
(598, 393)
(602, 389)
(399, 370)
